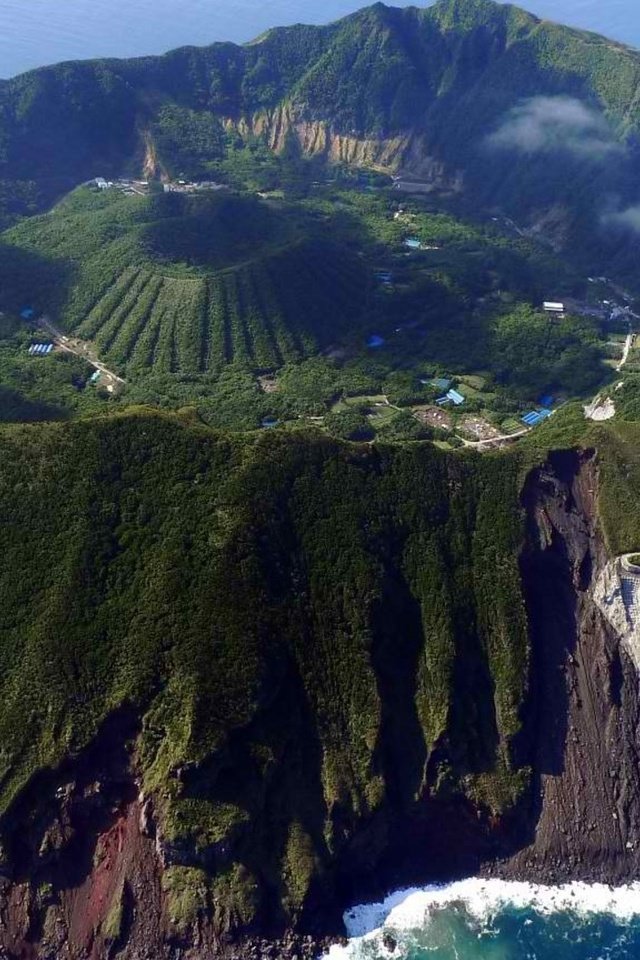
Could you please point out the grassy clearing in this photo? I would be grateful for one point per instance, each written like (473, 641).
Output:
(511, 425)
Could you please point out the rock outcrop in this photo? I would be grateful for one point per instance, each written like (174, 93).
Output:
(584, 742)
(406, 154)
(85, 873)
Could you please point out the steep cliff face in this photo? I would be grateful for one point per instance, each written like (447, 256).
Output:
(321, 651)
(406, 152)
(584, 707)
(80, 874)
(97, 860)
(411, 89)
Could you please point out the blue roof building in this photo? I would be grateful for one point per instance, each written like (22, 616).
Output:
(27, 313)
(531, 419)
(451, 397)
(375, 341)
(536, 417)
(413, 243)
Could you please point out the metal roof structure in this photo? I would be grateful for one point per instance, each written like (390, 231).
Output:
(535, 417)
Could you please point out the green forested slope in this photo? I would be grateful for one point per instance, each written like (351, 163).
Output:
(311, 636)
(193, 299)
(180, 285)
(223, 586)
(445, 78)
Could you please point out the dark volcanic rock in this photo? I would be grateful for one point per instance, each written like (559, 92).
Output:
(83, 870)
(584, 707)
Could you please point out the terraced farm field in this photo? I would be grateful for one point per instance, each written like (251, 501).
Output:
(259, 315)
(280, 297)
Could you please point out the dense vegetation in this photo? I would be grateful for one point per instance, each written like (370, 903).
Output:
(193, 298)
(185, 285)
(314, 635)
(41, 388)
(449, 76)
(618, 448)
(316, 638)
(330, 612)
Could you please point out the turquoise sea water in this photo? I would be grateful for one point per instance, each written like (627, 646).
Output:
(494, 920)
(37, 32)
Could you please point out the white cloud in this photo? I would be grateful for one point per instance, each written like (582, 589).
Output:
(628, 219)
(543, 124)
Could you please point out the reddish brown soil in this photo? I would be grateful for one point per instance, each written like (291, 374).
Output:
(126, 872)
(581, 818)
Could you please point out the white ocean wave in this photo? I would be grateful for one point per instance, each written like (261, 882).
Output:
(411, 910)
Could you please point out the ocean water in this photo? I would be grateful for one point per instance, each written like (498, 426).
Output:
(38, 32)
(497, 920)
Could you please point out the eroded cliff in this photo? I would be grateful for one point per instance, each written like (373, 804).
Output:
(584, 706)
(383, 722)
(405, 153)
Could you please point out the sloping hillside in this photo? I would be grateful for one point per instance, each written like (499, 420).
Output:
(304, 640)
(245, 681)
(433, 91)
(186, 285)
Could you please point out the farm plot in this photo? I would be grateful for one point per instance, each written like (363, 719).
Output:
(257, 316)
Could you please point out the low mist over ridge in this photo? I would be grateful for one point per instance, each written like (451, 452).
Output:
(319, 473)
(411, 91)
(40, 33)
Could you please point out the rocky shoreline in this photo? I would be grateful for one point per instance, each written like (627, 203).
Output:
(579, 820)
(289, 947)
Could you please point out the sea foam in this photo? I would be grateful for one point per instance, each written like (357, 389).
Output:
(411, 909)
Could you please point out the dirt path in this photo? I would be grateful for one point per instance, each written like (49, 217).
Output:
(629, 567)
(494, 440)
(80, 349)
(625, 353)
(602, 407)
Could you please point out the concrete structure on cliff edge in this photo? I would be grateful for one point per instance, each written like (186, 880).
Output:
(617, 595)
